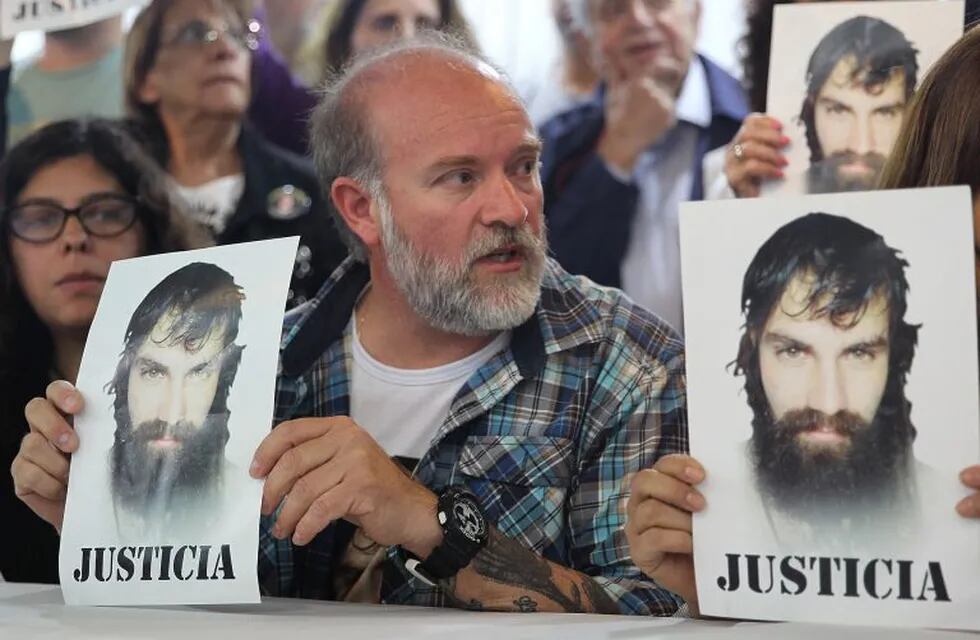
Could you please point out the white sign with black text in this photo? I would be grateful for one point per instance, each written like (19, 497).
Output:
(178, 377)
(833, 401)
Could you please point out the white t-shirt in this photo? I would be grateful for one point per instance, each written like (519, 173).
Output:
(404, 408)
(213, 203)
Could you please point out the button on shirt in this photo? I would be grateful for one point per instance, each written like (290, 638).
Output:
(651, 268)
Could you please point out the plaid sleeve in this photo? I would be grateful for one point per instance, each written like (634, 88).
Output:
(640, 415)
(275, 562)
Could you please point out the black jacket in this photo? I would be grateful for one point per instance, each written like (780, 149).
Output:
(30, 546)
(267, 170)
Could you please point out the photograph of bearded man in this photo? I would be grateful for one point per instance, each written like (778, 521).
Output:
(825, 353)
(171, 387)
(858, 81)
(840, 78)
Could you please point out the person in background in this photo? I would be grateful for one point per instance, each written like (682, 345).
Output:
(75, 196)
(349, 27)
(290, 24)
(616, 170)
(187, 75)
(282, 101)
(76, 73)
(939, 145)
(572, 80)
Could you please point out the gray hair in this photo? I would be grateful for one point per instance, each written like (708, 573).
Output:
(342, 137)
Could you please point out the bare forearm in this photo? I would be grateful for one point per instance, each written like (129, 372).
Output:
(507, 576)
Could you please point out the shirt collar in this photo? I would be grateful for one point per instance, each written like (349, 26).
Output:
(563, 320)
(694, 102)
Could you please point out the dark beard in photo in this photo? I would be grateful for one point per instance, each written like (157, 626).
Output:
(149, 480)
(872, 473)
(825, 176)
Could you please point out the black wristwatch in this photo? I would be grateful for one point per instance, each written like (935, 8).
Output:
(464, 533)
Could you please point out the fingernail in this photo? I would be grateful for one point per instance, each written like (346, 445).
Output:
(967, 508)
(784, 140)
(780, 174)
(972, 476)
(71, 402)
(692, 474)
(695, 500)
(254, 469)
(63, 440)
(783, 162)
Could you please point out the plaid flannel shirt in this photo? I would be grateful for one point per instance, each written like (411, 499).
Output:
(545, 434)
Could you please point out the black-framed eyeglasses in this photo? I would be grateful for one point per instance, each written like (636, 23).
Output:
(42, 221)
(200, 33)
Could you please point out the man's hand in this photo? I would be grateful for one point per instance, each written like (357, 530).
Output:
(40, 470)
(658, 525)
(640, 109)
(755, 154)
(323, 469)
(969, 507)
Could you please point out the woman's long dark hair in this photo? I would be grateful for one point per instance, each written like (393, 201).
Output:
(24, 340)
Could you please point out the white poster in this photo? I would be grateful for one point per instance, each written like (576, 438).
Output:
(833, 399)
(840, 76)
(178, 376)
(53, 15)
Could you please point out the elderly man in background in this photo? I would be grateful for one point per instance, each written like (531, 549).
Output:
(520, 395)
(616, 170)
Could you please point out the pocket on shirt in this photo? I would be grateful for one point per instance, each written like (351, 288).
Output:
(535, 461)
(522, 484)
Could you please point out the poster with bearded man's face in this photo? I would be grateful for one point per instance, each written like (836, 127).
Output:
(832, 398)
(178, 377)
(840, 77)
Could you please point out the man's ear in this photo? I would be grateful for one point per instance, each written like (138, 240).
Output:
(353, 202)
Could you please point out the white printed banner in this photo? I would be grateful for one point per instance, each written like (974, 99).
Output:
(178, 377)
(833, 401)
(53, 15)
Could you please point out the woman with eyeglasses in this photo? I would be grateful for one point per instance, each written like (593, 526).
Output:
(74, 196)
(188, 84)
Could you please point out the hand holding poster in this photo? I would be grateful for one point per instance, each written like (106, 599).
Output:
(840, 76)
(833, 401)
(52, 15)
(178, 378)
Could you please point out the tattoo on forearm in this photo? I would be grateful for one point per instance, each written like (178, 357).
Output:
(526, 605)
(508, 562)
(449, 589)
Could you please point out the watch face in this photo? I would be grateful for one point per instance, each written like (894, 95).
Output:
(469, 519)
